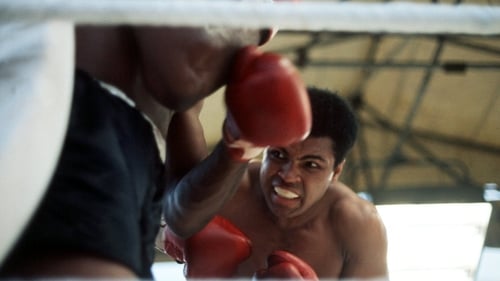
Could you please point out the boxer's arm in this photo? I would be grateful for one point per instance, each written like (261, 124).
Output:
(198, 184)
(185, 142)
(363, 238)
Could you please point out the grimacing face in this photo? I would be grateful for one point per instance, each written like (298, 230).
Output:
(295, 177)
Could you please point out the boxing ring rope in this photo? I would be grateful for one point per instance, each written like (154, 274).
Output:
(392, 17)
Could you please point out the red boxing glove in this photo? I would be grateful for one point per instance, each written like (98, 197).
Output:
(284, 265)
(214, 252)
(267, 104)
(173, 245)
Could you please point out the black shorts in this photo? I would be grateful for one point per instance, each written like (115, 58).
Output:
(105, 197)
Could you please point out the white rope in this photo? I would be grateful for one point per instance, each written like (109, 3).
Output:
(392, 17)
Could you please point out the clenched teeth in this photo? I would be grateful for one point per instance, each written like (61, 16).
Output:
(285, 193)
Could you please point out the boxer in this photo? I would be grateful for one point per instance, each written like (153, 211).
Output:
(291, 217)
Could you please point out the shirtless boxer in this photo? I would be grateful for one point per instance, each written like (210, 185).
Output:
(291, 217)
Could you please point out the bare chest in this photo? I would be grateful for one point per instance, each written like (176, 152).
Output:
(313, 242)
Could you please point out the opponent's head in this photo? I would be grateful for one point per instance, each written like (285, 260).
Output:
(182, 65)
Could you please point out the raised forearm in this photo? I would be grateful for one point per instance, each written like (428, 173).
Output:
(202, 192)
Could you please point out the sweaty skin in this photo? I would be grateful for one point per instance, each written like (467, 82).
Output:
(317, 218)
(292, 200)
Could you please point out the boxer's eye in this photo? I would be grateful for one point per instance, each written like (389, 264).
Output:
(312, 165)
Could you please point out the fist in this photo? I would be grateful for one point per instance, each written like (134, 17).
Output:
(266, 100)
(284, 265)
(214, 252)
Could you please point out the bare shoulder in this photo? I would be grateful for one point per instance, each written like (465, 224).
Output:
(361, 233)
(354, 213)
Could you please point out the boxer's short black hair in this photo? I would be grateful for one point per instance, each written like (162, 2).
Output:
(333, 117)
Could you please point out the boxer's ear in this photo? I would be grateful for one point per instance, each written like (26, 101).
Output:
(338, 170)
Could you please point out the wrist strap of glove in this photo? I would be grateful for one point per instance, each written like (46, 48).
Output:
(239, 150)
